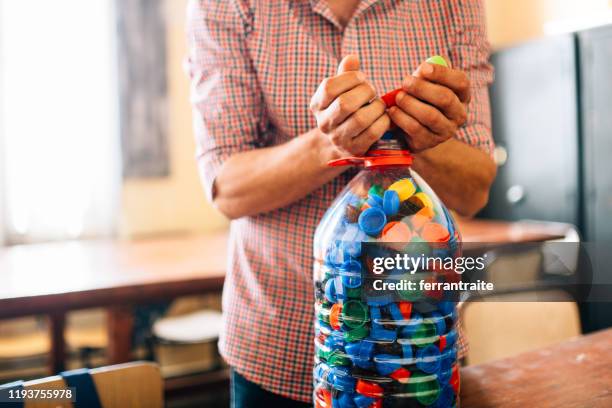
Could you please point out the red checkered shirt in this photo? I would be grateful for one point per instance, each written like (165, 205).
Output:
(254, 65)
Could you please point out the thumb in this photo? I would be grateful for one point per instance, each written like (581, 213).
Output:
(349, 63)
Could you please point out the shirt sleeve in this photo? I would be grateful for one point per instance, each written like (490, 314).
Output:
(469, 52)
(228, 110)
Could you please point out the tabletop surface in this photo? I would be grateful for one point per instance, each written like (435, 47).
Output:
(575, 373)
(69, 267)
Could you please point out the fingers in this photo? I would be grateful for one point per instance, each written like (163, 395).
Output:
(456, 80)
(426, 115)
(437, 95)
(330, 88)
(344, 106)
(349, 63)
(418, 137)
(362, 119)
(370, 135)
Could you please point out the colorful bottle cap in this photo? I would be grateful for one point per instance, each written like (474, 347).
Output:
(351, 274)
(389, 98)
(372, 221)
(343, 380)
(360, 353)
(356, 334)
(374, 200)
(428, 359)
(337, 358)
(407, 351)
(395, 312)
(363, 401)
(455, 380)
(386, 363)
(421, 200)
(345, 400)
(437, 60)
(425, 387)
(434, 232)
(401, 374)
(330, 290)
(446, 370)
(445, 399)
(376, 189)
(404, 188)
(353, 293)
(396, 231)
(391, 202)
(382, 334)
(334, 342)
(422, 217)
(354, 314)
(405, 309)
(334, 316)
(438, 320)
(368, 388)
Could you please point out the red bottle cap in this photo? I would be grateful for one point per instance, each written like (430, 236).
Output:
(389, 98)
(369, 389)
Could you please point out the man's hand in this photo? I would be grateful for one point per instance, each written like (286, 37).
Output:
(347, 110)
(432, 105)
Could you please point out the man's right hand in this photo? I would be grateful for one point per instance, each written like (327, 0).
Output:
(348, 110)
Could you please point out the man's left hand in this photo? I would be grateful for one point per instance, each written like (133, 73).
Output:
(432, 105)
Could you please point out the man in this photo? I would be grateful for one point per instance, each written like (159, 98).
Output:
(279, 88)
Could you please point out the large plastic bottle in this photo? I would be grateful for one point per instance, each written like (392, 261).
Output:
(384, 348)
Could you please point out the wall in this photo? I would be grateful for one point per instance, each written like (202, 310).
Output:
(176, 203)
(514, 21)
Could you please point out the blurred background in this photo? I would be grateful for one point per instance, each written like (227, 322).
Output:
(96, 143)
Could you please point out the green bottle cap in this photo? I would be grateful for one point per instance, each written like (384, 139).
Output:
(425, 334)
(376, 190)
(356, 334)
(424, 386)
(438, 60)
(353, 293)
(338, 358)
(354, 314)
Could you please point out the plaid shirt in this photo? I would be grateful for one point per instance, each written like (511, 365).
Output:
(254, 65)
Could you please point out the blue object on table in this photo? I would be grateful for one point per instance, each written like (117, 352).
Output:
(372, 221)
(428, 359)
(391, 202)
(86, 392)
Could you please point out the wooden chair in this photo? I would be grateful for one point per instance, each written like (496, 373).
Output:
(130, 385)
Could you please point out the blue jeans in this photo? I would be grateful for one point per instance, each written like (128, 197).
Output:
(247, 394)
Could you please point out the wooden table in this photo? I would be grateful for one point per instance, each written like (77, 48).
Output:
(55, 278)
(576, 373)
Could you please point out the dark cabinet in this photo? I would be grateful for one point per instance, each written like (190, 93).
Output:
(535, 126)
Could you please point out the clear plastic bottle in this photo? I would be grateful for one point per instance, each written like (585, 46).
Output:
(398, 348)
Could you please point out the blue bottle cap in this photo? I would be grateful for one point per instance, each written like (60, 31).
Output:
(345, 400)
(351, 274)
(330, 291)
(375, 201)
(438, 321)
(372, 221)
(391, 202)
(360, 353)
(446, 307)
(387, 135)
(445, 398)
(446, 370)
(407, 351)
(343, 380)
(451, 338)
(381, 334)
(413, 325)
(396, 314)
(363, 402)
(335, 341)
(428, 359)
(386, 363)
